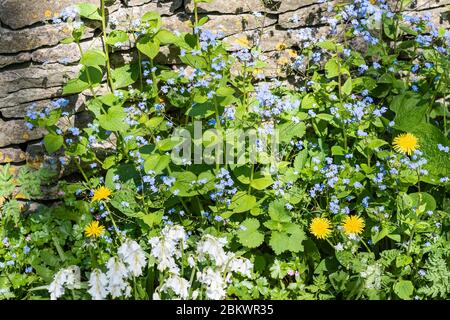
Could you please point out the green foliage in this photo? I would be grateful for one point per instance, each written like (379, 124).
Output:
(249, 221)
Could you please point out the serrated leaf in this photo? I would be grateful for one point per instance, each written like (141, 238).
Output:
(250, 237)
(279, 242)
(278, 212)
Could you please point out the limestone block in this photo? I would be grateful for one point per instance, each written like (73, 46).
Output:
(16, 132)
(38, 76)
(8, 155)
(240, 6)
(29, 39)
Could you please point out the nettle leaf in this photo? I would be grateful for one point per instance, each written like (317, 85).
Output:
(278, 211)
(250, 236)
(53, 142)
(438, 165)
(93, 57)
(114, 119)
(89, 11)
(126, 75)
(148, 46)
(410, 109)
(404, 289)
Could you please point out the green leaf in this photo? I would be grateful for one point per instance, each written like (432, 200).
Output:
(309, 102)
(410, 110)
(166, 37)
(242, 202)
(332, 68)
(114, 119)
(402, 260)
(53, 142)
(278, 211)
(93, 57)
(153, 219)
(290, 130)
(347, 87)
(117, 36)
(279, 242)
(183, 183)
(404, 289)
(124, 76)
(89, 11)
(250, 236)
(148, 46)
(75, 86)
(262, 182)
(169, 143)
(300, 160)
(153, 19)
(420, 198)
(438, 165)
(224, 91)
(156, 162)
(297, 235)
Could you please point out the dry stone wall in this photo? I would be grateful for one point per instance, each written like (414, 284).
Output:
(34, 65)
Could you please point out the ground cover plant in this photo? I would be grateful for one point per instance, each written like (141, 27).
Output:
(339, 191)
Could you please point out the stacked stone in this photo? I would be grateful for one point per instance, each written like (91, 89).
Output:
(34, 65)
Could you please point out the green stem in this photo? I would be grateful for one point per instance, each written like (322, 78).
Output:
(87, 73)
(154, 81)
(105, 45)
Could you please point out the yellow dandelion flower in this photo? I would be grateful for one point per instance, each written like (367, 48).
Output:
(93, 229)
(243, 42)
(292, 53)
(320, 228)
(101, 193)
(353, 224)
(47, 13)
(283, 61)
(280, 46)
(406, 143)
